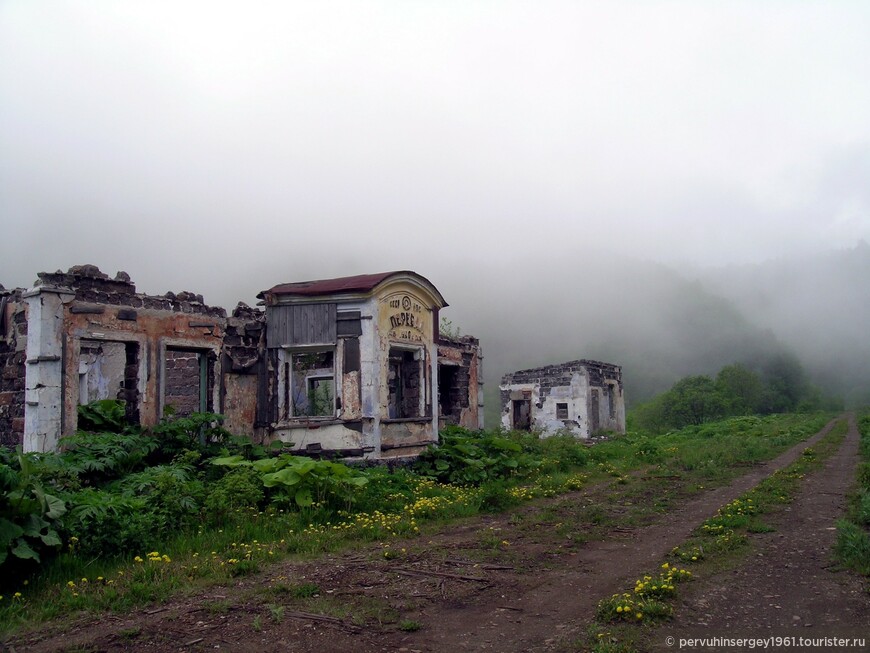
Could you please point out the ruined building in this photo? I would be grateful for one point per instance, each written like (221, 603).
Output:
(352, 366)
(580, 397)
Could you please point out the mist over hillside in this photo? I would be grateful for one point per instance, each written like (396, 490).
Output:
(661, 324)
(655, 322)
(817, 305)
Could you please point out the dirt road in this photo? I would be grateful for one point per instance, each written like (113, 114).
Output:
(789, 586)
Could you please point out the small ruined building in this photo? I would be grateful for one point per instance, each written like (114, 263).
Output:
(580, 397)
(352, 366)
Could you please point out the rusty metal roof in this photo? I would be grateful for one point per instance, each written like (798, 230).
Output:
(361, 283)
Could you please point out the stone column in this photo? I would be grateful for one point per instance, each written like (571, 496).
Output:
(43, 391)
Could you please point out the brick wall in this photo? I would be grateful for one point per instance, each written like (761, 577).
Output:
(13, 339)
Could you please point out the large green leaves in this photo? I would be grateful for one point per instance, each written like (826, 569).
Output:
(301, 480)
(469, 458)
(27, 512)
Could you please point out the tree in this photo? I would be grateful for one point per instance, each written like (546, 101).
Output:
(786, 383)
(740, 388)
(693, 400)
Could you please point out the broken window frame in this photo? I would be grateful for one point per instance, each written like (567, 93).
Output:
(562, 410)
(397, 410)
(289, 401)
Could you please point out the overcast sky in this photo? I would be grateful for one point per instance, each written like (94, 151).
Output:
(225, 147)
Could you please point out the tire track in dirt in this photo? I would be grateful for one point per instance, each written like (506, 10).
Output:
(790, 586)
(557, 604)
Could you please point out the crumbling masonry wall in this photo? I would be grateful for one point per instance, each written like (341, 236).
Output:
(80, 336)
(460, 381)
(582, 397)
(89, 336)
(13, 342)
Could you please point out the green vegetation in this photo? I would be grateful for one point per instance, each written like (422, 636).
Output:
(28, 515)
(149, 514)
(853, 532)
(780, 388)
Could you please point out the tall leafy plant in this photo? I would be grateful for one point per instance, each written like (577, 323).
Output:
(466, 458)
(301, 480)
(28, 514)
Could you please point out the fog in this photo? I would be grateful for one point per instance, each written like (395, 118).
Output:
(587, 177)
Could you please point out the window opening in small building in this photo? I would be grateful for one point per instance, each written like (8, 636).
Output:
(186, 382)
(561, 411)
(404, 381)
(312, 383)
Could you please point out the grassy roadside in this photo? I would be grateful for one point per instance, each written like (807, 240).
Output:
(853, 531)
(626, 622)
(622, 475)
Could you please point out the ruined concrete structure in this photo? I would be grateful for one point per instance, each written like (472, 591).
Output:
(352, 366)
(580, 397)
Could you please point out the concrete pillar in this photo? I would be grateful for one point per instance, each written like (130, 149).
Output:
(43, 391)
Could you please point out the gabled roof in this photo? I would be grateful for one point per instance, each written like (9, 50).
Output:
(359, 284)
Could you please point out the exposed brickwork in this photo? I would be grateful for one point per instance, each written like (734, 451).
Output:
(163, 338)
(583, 397)
(13, 338)
(552, 376)
(245, 338)
(459, 372)
(97, 337)
(181, 388)
(95, 287)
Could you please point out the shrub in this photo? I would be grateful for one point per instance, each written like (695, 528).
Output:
(200, 432)
(100, 457)
(135, 511)
(467, 458)
(301, 481)
(172, 494)
(103, 415)
(241, 487)
(105, 524)
(28, 515)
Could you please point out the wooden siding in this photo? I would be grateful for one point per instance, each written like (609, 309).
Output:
(300, 324)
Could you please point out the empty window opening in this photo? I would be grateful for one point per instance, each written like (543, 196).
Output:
(102, 368)
(312, 383)
(611, 399)
(522, 414)
(186, 381)
(452, 392)
(404, 381)
(561, 411)
(110, 370)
